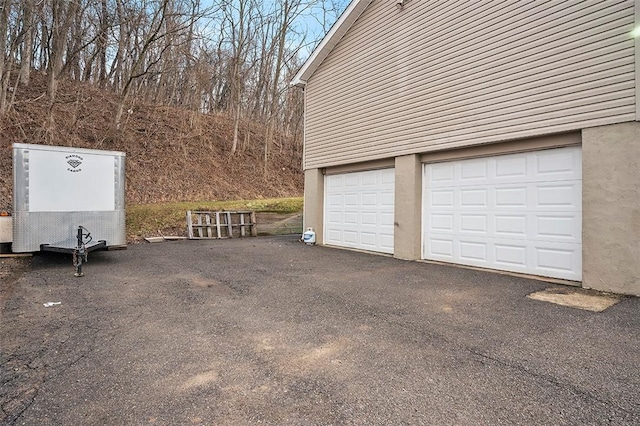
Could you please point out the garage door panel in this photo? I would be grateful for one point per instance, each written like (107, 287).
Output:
(350, 218)
(474, 223)
(440, 222)
(511, 197)
(510, 225)
(440, 248)
(474, 171)
(441, 174)
(541, 226)
(350, 180)
(559, 196)
(350, 200)
(333, 236)
(544, 259)
(386, 220)
(510, 168)
(370, 178)
(554, 259)
(387, 199)
(474, 198)
(559, 164)
(360, 211)
(442, 198)
(510, 255)
(561, 261)
(524, 214)
(335, 200)
(370, 199)
(542, 166)
(388, 177)
(368, 239)
(335, 181)
(369, 218)
(335, 217)
(473, 251)
(558, 227)
(350, 237)
(386, 242)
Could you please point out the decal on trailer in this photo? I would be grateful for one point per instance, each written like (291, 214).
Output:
(74, 161)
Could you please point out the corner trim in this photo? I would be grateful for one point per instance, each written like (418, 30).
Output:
(636, 53)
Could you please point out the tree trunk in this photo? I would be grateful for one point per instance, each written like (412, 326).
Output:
(27, 44)
(4, 31)
(63, 13)
(102, 44)
(236, 127)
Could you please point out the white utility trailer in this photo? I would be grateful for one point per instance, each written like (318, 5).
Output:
(67, 199)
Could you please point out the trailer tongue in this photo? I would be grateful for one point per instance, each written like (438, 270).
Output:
(61, 193)
(84, 245)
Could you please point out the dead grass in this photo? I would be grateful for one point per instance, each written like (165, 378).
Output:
(144, 220)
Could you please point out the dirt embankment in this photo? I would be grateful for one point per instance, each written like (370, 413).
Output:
(172, 154)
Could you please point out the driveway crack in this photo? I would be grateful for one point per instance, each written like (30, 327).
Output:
(550, 379)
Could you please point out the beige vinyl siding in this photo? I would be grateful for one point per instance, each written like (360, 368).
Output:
(445, 74)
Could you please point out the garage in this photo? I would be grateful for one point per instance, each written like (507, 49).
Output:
(359, 210)
(515, 212)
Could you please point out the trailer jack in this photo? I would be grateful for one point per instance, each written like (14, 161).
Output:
(81, 250)
(80, 253)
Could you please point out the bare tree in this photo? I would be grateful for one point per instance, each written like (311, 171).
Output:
(28, 29)
(238, 18)
(4, 58)
(224, 56)
(155, 40)
(63, 13)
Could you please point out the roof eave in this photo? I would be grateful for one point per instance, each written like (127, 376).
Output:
(330, 40)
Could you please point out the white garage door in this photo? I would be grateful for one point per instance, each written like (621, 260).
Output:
(358, 210)
(516, 212)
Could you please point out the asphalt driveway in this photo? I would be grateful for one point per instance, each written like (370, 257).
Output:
(269, 331)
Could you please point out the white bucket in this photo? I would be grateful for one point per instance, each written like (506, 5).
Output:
(309, 237)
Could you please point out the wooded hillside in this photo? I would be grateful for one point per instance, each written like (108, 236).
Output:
(172, 154)
(194, 91)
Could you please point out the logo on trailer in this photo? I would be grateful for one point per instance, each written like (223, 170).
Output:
(74, 161)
